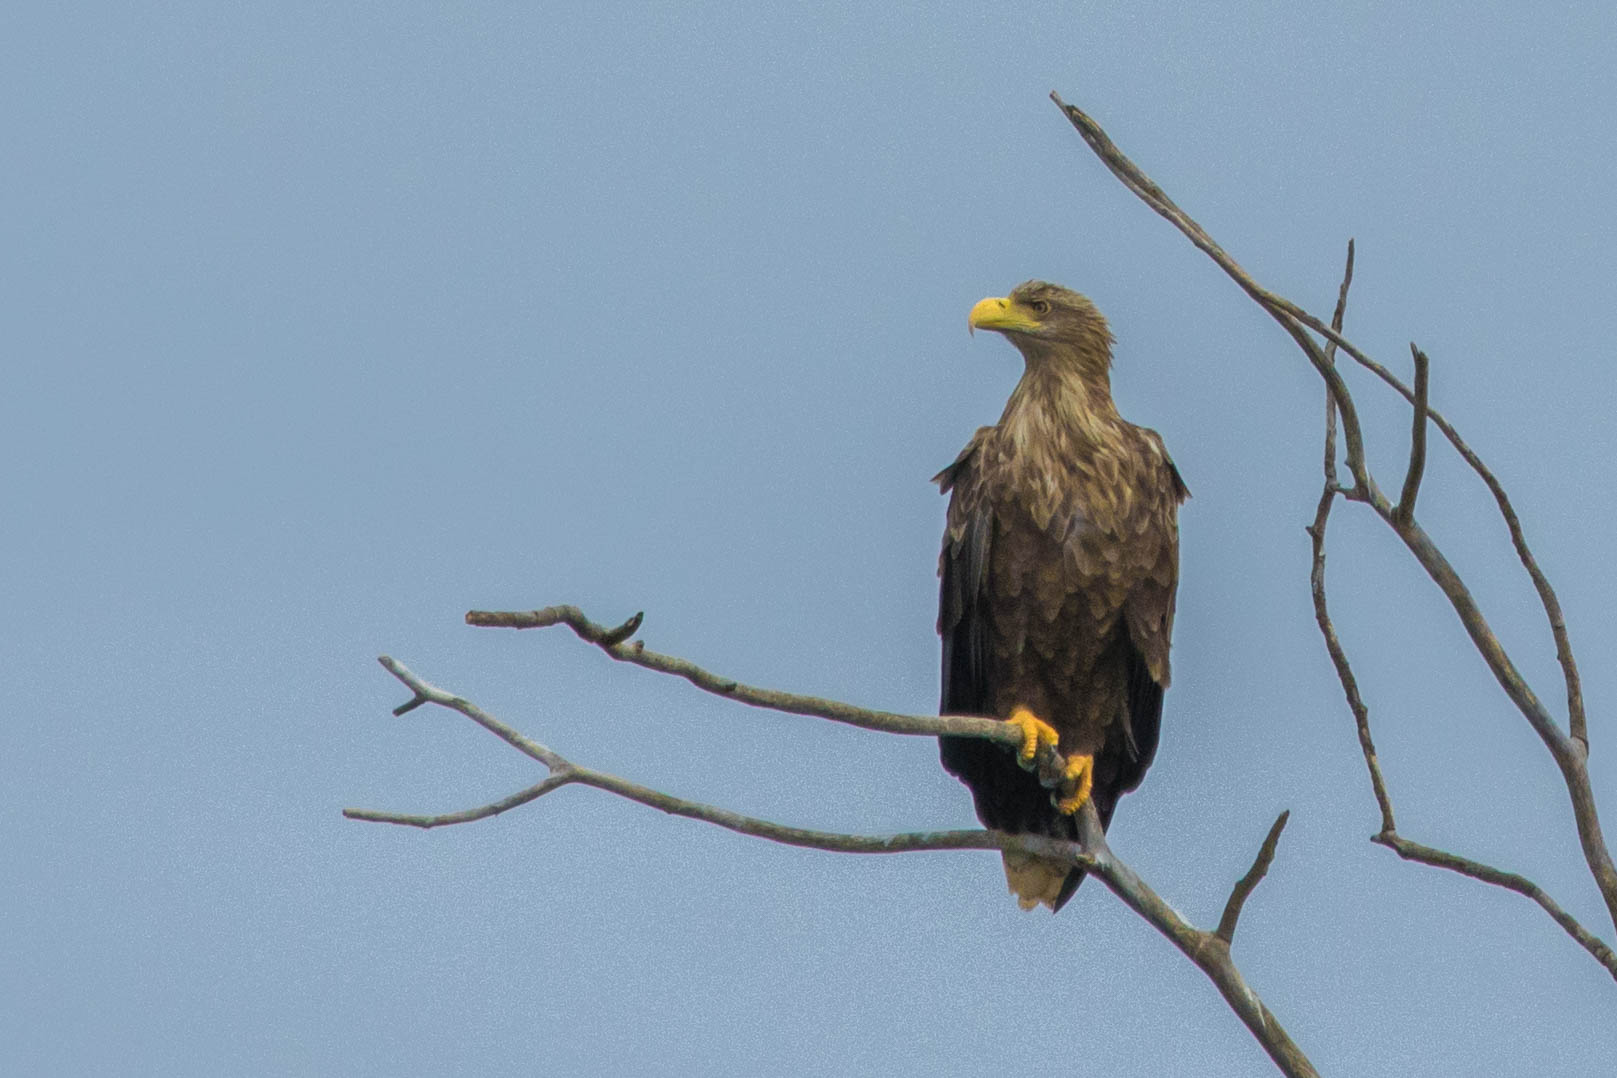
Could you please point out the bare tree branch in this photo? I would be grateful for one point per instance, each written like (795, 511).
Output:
(1209, 951)
(1330, 357)
(1316, 532)
(1427, 855)
(1568, 749)
(1388, 835)
(564, 772)
(611, 642)
(1290, 316)
(1152, 195)
(1339, 659)
(482, 812)
(1249, 883)
(1578, 723)
(1405, 512)
(426, 694)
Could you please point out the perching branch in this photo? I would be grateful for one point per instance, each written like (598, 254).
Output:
(1568, 748)
(612, 641)
(1210, 951)
(563, 772)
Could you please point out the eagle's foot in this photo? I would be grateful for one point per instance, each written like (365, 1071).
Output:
(1077, 780)
(1036, 733)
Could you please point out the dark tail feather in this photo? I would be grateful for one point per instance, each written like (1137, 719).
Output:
(1104, 806)
(1011, 800)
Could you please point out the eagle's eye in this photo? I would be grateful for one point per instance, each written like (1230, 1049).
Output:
(1041, 307)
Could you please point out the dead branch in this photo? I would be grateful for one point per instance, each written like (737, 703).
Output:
(1388, 835)
(1316, 532)
(1249, 883)
(1278, 308)
(1404, 514)
(1568, 748)
(1428, 855)
(1210, 951)
(563, 772)
(613, 642)
(1296, 322)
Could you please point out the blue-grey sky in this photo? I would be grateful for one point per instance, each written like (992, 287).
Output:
(324, 323)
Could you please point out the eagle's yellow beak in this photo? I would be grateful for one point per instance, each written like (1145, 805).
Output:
(1000, 313)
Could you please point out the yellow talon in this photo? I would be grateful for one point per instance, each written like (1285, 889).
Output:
(1035, 732)
(1079, 770)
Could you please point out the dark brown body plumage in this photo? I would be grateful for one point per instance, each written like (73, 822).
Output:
(1058, 570)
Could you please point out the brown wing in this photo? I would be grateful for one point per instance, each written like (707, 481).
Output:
(963, 582)
(1153, 549)
(1113, 589)
(1006, 797)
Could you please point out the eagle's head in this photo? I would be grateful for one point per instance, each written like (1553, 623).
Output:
(1037, 311)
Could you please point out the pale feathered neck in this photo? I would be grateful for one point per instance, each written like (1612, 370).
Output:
(1065, 396)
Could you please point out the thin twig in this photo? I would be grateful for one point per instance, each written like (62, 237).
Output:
(1322, 615)
(533, 793)
(1330, 357)
(1331, 483)
(1405, 512)
(1209, 952)
(426, 693)
(1247, 884)
(1339, 659)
